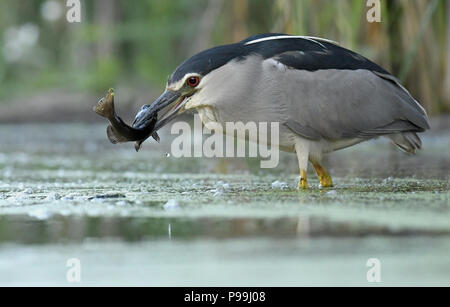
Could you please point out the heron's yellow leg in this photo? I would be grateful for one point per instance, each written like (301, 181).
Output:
(302, 150)
(324, 177)
(303, 183)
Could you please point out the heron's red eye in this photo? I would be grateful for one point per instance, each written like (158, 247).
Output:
(193, 81)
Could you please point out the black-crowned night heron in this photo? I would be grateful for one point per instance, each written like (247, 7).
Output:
(324, 97)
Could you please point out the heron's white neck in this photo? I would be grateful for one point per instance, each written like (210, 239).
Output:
(207, 115)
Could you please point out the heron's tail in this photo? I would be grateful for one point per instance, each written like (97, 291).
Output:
(408, 142)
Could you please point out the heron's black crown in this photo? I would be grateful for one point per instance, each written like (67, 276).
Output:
(297, 53)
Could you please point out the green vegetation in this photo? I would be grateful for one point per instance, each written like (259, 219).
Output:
(138, 43)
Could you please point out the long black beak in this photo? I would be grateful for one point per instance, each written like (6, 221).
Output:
(144, 116)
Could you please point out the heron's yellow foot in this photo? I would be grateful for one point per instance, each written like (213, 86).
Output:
(303, 183)
(324, 177)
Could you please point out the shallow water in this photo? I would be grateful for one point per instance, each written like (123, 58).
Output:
(149, 219)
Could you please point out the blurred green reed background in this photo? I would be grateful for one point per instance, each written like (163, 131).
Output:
(137, 44)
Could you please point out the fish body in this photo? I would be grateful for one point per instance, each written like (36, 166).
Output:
(118, 131)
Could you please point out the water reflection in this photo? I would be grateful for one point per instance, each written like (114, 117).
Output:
(60, 229)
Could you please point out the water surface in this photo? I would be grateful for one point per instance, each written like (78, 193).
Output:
(149, 219)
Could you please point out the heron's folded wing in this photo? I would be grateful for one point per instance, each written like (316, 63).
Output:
(336, 93)
(336, 104)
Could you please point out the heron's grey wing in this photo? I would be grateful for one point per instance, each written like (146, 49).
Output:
(346, 102)
(336, 104)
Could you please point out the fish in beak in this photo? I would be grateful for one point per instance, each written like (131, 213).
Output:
(167, 106)
(118, 131)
